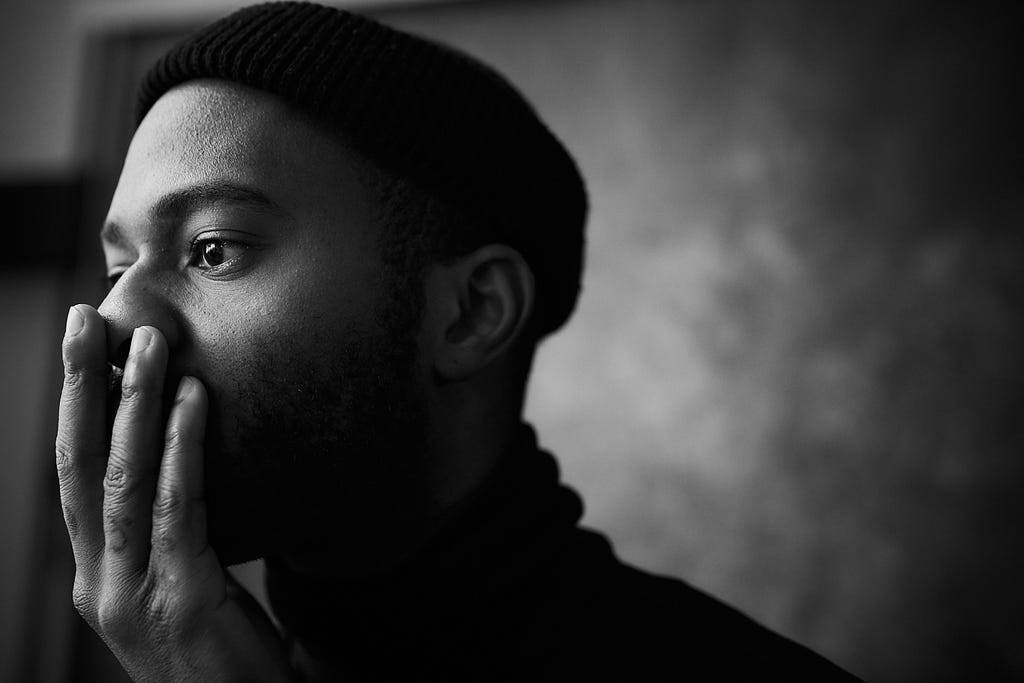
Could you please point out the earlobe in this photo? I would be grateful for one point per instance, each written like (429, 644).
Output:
(493, 290)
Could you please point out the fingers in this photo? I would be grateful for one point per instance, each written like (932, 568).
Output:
(81, 446)
(132, 490)
(179, 512)
(136, 446)
(147, 581)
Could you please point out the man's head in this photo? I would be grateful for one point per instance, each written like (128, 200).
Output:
(357, 292)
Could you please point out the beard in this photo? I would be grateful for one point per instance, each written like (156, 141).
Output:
(317, 446)
(318, 451)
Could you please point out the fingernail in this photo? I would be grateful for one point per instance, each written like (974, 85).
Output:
(140, 340)
(76, 321)
(185, 387)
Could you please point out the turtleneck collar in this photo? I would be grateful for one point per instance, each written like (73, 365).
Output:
(478, 572)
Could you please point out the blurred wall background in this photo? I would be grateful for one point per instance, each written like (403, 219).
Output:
(794, 378)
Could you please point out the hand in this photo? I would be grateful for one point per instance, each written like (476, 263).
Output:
(147, 580)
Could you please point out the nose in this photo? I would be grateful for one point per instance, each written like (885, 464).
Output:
(135, 300)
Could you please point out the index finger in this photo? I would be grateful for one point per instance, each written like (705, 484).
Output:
(81, 445)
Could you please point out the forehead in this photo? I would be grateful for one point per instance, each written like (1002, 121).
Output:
(210, 131)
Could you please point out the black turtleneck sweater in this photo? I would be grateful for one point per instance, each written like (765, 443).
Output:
(515, 590)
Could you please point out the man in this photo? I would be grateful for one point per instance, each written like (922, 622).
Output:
(332, 250)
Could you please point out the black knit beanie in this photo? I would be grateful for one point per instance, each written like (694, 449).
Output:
(422, 111)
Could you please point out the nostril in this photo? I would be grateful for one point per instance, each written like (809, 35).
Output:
(121, 353)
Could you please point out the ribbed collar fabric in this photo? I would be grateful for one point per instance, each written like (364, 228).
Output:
(470, 584)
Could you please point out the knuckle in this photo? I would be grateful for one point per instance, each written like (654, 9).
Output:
(83, 597)
(116, 537)
(164, 608)
(116, 480)
(158, 607)
(123, 476)
(166, 605)
(65, 457)
(163, 540)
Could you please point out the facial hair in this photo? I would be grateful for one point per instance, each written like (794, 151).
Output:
(319, 442)
(320, 450)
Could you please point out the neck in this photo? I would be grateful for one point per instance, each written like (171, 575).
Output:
(474, 430)
(506, 535)
(466, 444)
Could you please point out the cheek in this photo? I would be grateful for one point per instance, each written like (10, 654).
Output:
(296, 330)
(288, 318)
(287, 302)
(250, 369)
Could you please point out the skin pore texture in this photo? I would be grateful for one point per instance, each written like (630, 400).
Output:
(344, 423)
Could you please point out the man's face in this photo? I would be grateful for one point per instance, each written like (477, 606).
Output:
(240, 230)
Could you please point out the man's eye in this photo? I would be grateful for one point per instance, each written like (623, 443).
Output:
(208, 254)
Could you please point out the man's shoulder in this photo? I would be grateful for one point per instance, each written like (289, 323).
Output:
(643, 625)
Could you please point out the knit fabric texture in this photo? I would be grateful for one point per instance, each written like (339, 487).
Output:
(422, 111)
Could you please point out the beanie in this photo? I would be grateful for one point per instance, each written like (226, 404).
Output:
(422, 111)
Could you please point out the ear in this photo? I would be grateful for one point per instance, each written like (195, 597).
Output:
(484, 300)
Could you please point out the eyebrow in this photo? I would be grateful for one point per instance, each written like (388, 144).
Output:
(173, 206)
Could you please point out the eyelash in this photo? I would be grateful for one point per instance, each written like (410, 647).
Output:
(196, 255)
(200, 244)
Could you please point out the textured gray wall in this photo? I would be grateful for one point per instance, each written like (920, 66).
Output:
(794, 377)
